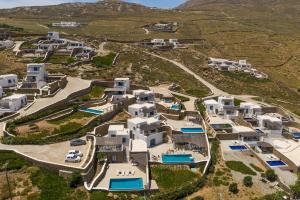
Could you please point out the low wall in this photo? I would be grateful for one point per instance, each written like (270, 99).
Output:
(227, 136)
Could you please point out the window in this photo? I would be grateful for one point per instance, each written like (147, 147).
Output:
(124, 140)
(136, 113)
(35, 69)
(211, 108)
(9, 81)
(114, 158)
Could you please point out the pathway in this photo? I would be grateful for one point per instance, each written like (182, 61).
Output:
(17, 46)
(215, 91)
(43, 26)
(102, 51)
(146, 31)
(74, 85)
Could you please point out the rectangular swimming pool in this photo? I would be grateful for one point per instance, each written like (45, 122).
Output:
(177, 158)
(175, 107)
(276, 163)
(238, 147)
(93, 111)
(192, 130)
(127, 184)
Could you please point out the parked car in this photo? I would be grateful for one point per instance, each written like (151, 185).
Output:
(77, 142)
(72, 158)
(75, 152)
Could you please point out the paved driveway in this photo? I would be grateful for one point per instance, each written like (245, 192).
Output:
(74, 85)
(50, 153)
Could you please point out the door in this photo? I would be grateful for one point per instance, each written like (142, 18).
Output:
(152, 142)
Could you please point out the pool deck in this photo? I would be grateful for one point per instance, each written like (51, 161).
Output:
(164, 148)
(178, 124)
(112, 173)
(105, 108)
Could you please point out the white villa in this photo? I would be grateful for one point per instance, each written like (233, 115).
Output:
(122, 83)
(36, 76)
(270, 124)
(6, 44)
(158, 42)
(119, 131)
(146, 129)
(53, 36)
(12, 103)
(231, 66)
(212, 106)
(8, 80)
(142, 110)
(143, 96)
(250, 110)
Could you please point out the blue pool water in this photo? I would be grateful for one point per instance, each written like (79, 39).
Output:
(93, 111)
(175, 107)
(238, 147)
(126, 184)
(192, 130)
(177, 158)
(276, 163)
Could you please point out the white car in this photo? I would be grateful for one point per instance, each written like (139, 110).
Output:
(75, 152)
(72, 158)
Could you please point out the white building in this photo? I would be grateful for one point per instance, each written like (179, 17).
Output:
(212, 106)
(158, 42)
(142, 110)
(143, 96)
(6, 44)
(66, 24)
(44, 48)
(12, 103)
(250, 110)
(226, 106)
(36, 76)
(8, 80)
(119, 131)
(53, 35)
(269, 124)
(146, 129)
(74, 44)
(122, 83)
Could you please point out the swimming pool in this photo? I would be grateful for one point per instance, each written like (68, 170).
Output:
(238, 147)
(175, 107)
(177, 158)
(126, 184)
(192, 130)
(275, 163)
(93, 111)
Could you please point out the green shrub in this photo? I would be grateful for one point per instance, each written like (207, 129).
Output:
(233, 188)
(240, 167)
(99, 195)
(14, 161)
(270, 175)
(76, 180)
(248, 181)
(104, 61)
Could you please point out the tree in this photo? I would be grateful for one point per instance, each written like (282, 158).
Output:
(248, 181)
(76, 180)
(233, 187)
(296, 190)
(270, 175)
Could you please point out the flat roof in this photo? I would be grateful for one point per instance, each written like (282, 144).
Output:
(268, 117)
(15, 96)
(138, 146)
(119, 127)
(249, 104)
(214, 119)
(242, 129)
(288, 148)
(210, 101)
(121, 79)
(143, 105)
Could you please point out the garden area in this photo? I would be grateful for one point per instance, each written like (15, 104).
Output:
(95, 93)
(61, 59)
(44, 129)
(104, 61)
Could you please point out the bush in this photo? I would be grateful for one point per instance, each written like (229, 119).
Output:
(104, 61)
(76, 180)
(240, 167)
(233, 188)
(248, 181)
(270, 175)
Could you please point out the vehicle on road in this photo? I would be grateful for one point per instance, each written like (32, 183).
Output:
(72, 158)
(75, 152)
(77, 142)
